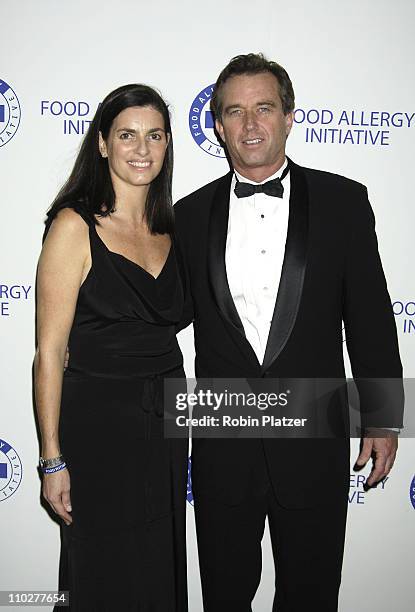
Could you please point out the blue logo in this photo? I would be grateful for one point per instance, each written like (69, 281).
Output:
(412, 492)
(9, 113)
(202, 124)
(10, 470)
(189, 495)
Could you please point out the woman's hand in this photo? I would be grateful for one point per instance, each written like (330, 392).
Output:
(56, 491)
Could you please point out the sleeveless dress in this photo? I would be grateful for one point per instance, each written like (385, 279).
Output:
(125, 550)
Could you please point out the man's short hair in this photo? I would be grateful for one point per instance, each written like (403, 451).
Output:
(253, 63)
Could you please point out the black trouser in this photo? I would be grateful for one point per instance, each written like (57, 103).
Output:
(307, 546)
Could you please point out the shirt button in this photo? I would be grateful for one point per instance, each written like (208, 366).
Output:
(262, 216)
(263, 251)
(265, 288)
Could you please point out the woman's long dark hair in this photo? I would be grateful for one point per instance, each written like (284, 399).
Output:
(89, 188)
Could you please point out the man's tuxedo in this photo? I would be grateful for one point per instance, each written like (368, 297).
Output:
(331, 273)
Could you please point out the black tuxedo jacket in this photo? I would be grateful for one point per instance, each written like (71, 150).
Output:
(331, 274)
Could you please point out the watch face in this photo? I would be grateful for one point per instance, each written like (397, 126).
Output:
(44, 462)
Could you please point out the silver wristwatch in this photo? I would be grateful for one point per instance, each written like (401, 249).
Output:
(50, 463)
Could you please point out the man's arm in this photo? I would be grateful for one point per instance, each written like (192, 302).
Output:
(372, 345)
(182, 260)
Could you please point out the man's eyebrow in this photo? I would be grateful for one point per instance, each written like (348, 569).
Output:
(232, 107)
(264, 102)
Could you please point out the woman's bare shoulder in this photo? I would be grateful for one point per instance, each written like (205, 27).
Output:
(70, 221)
(68, 231)
(68, 225)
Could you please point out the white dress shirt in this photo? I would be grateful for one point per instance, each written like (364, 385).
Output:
(255, 246)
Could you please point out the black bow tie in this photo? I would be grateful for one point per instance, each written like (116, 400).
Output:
(272, 188)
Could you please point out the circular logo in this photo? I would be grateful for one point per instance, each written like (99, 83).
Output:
(10, 470)
(9, 113)
(202, 124)
(189, 495)
(412, 492)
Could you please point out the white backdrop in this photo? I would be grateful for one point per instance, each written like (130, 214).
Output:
(351, 60)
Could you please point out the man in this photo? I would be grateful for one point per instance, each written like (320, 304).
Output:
(272, 272)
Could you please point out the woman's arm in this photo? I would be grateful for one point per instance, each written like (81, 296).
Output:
(63, 265)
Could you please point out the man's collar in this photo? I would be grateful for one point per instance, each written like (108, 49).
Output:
(277, 174)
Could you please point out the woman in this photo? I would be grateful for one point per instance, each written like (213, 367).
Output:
(109, 288)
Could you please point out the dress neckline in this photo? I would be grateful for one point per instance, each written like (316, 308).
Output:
(130, 261)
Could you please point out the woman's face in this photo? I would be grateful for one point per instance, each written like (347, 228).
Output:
(135, 147)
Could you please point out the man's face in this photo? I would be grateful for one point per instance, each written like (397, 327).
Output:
(253, 125)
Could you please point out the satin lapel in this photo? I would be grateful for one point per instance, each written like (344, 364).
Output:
(293, 269)
(218, 230)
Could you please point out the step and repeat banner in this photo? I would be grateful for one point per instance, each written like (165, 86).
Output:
(351, 67)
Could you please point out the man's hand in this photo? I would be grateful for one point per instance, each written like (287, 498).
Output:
(382, 450)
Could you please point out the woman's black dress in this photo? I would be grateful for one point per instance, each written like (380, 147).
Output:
(125, 550)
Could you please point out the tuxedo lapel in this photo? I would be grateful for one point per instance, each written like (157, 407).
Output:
(293, 269)
(218, 230)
